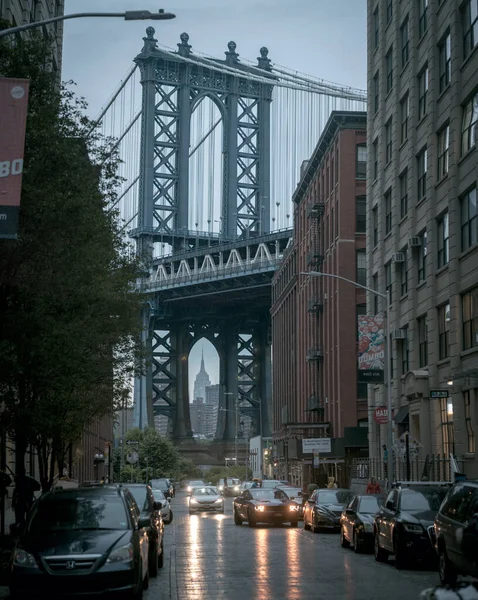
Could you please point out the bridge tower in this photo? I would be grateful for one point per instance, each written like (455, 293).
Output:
(173, 85)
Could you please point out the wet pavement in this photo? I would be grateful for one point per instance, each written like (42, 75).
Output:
(208, 557)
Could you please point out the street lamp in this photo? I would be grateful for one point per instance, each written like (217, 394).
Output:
(388, 356)
(129, 15)
(236, 413)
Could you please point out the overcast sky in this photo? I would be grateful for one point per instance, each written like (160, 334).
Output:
(323, 38)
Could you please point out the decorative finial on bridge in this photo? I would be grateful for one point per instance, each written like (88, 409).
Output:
(263, 62)
(232, 57)
(150, 44)
(184, 49)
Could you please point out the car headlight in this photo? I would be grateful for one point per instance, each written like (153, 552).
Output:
(412, 528)
(122, 554)
(368, 527)
(193, 501)
(293, 507)
(260, 508)
(218, 501)
(190, 489)
(221, 487)
(236, 488)
(21, 558)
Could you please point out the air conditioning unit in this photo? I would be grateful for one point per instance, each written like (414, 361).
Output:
(399, 334)
(398, 257)
(414, 242)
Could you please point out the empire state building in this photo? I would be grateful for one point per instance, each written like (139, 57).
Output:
(202, 381)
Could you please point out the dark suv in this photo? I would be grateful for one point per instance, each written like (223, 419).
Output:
(164, 485)
(151, 509)
(82, 541)
(457, 534)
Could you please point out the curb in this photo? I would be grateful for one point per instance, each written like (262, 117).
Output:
(173, 582)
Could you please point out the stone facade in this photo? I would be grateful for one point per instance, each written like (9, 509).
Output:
(421, 216)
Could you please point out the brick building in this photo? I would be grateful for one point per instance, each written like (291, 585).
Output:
(314, 319)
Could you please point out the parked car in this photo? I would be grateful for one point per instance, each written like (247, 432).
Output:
(82, 541)
(324, 508)
(206, 498)
(456, 531)
(404, 524)
(164, 485)
(259, 505)
(166, 510)
(151, 509)
(270, 484)
(356, 522)
(295, 494)
(229, 486)
(194, 483)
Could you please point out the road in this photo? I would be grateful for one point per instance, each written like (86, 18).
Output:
(209, 558)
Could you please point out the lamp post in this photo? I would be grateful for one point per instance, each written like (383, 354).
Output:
(129, 15)
(388, 355)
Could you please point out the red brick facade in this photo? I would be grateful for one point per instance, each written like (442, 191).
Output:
(314, 319)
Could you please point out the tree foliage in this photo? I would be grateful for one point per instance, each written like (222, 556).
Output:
(69, 317)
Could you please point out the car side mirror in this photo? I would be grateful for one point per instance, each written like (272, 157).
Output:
(310, 501)
(349, 511)
(144, 522)
(390, 505)
(157, 505)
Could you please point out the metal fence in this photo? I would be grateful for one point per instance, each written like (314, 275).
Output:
(435, 467)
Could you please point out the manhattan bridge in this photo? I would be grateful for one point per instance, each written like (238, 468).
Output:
(210, 155)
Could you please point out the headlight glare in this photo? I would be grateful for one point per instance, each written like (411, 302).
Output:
(21, 558)
(218, 501)
(121, 554)
(260, 508)
(293, 507)
(193, 501)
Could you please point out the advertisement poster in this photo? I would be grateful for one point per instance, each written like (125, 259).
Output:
(13, 119)
(371, 349)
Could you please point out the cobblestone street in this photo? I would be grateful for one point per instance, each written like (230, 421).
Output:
(208, 557)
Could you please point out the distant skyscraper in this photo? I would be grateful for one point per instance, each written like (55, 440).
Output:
(202, 381)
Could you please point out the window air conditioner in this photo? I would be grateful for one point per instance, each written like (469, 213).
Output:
(414, 242)
(399, 334)
(398, 257)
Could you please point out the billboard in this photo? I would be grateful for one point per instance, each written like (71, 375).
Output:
(371, 349)
(320, 445)
(13, 119)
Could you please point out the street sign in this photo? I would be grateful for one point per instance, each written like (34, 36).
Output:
(316, 458)
(380, 415)
(132, 443)
(132, 458)
(435, 394)
(322, 445)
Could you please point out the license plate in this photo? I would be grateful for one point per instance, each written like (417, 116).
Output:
(278, 515)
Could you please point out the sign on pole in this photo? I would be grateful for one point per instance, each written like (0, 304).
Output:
(13, 119)
(436, 394)
(133, 458)
(380, 415)
(371, 349)
(322, 445)
(316, 458)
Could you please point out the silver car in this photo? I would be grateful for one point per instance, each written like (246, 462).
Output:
(166, 512)
(206, 499)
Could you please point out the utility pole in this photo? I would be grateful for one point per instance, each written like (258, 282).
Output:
(235, 438)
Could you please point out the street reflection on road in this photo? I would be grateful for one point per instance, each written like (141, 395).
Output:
(195, 567)
(260, 543)
(293, 564)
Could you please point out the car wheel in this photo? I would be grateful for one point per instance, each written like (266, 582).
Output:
(161, 558)
(170, 518)
(306, 525)
(251, 520)
(378, 552)
(357, 543)
(315, 525)
(146, 580)
(237, 518)
(294, 523)
(343, 540)
(401, 559)
(153, 561)
(446, 570)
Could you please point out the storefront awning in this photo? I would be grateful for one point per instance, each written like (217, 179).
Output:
(401, 418)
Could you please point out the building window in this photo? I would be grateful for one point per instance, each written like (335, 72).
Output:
(405, 352)
(376, 92)
(423, 17)
(376, 28)
(404, 274)
(470, 319)
(375, 297)
(361, 267)
(470, 26)
(447, 428)
(389, 10)
(361, 161)
(422, 93)
(403, 183)
(404, 115)
(443, 151)
(469, 125)
(422, 341)
(469, 223)
(389, 66)
(468, 422)
(388, 211)
(375, 225)
(388, 141)
(361, 214)
(422, 259)
(375, 159)
(443, 241)
(444, 62)
(388, 279)
(405, 41)
(422, 166)
(444, 331)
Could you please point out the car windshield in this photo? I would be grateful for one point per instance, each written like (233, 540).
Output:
(79, 512)
(140, 496)
(334, 497)
(158, 495)
(369, 505)
(231, 482)
(260, 494)
(161, 484)
(205, 491)
(194, 483)
(292, 492)
(270, 483)
(424, 499)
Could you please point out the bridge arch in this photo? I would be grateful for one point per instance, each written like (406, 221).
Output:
(204, 392)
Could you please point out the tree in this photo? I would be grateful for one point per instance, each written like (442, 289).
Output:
(69, 314)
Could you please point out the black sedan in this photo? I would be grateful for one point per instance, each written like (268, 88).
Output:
(164, 485)
(265, 506)
(356, 522)
(324, 508)
(404, 524)
(80, 542)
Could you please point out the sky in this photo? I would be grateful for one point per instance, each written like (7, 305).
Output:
(322, 38)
